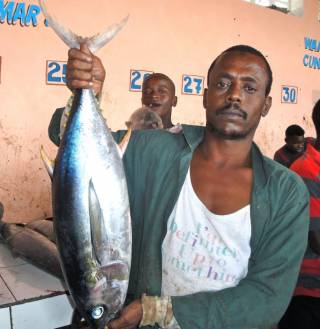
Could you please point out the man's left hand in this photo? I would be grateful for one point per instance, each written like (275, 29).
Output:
(130, 317)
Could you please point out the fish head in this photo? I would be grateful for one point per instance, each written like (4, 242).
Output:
(105, 297)
(98, 316)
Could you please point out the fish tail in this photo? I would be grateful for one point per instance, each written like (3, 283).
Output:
(73, 41)
(48, 163)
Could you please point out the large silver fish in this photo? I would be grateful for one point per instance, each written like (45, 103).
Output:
(90, 203)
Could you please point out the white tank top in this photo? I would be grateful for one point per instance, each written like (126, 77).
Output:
(203, 251)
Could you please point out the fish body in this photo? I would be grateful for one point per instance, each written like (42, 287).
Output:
(32, 246)
(91, 213)
(90, 200)
(44, 227)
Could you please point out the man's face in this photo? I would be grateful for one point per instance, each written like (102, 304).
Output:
(295, 144)
(158, 94)
(235, 99)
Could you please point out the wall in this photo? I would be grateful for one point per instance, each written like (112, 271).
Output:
(171, 36)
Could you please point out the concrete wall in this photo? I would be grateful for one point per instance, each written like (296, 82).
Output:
(172, 36)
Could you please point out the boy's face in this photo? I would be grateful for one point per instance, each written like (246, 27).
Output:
(159, 95)
(295, 144)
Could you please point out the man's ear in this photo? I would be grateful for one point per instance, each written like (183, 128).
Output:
(204, 99)
(175, 101)
(267, 105)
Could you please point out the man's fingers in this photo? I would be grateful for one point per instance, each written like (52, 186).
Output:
(74, 53)
(79, 84)
(79, 65)
(85, 49)
(79, 75)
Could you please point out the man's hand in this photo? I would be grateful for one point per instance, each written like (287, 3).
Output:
(84, 70)
(130, 317)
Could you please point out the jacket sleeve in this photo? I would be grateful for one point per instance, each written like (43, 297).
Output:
(260, 299)
(54, 126)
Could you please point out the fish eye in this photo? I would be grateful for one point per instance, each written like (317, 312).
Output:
(97, 312)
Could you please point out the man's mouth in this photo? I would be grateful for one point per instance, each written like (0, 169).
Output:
(153, 105)
(232, 111)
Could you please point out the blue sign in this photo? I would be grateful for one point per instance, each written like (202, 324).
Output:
(136, 79)
(56, 73)
(19, 12)
(289, 94)
(192, 84)
(309, 60)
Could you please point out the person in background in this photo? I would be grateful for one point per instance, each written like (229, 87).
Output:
(158, 94)
(294, 147)
(304, 309)
(219, 230)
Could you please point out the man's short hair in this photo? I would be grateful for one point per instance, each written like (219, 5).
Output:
(251, 50)
(159, 76)
(316, 116)
(294, 130)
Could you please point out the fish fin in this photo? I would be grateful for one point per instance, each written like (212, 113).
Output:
(99, 235)
(122, 146)
(49, 164)
(116, 270)
(99, 40)
(66, 35)
(73, 41)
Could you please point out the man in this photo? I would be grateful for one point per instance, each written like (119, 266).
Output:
(304, 308)
(218, 230)
(294, 147)
(158, 94)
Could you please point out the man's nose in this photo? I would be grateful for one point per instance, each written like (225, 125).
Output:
(234, 93)
(155, 95)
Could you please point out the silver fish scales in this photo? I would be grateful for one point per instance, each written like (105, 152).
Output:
(91, 212)
(90, 202)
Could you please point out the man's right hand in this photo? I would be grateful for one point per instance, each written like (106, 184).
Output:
(84, 70)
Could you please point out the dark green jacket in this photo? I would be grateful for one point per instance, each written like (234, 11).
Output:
(156, 164)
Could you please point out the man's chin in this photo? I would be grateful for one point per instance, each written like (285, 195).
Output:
(228, 134)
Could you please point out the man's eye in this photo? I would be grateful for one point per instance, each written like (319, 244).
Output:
(222, 84)
(250, 89)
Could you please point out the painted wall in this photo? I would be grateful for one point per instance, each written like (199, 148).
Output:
(172, 36)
